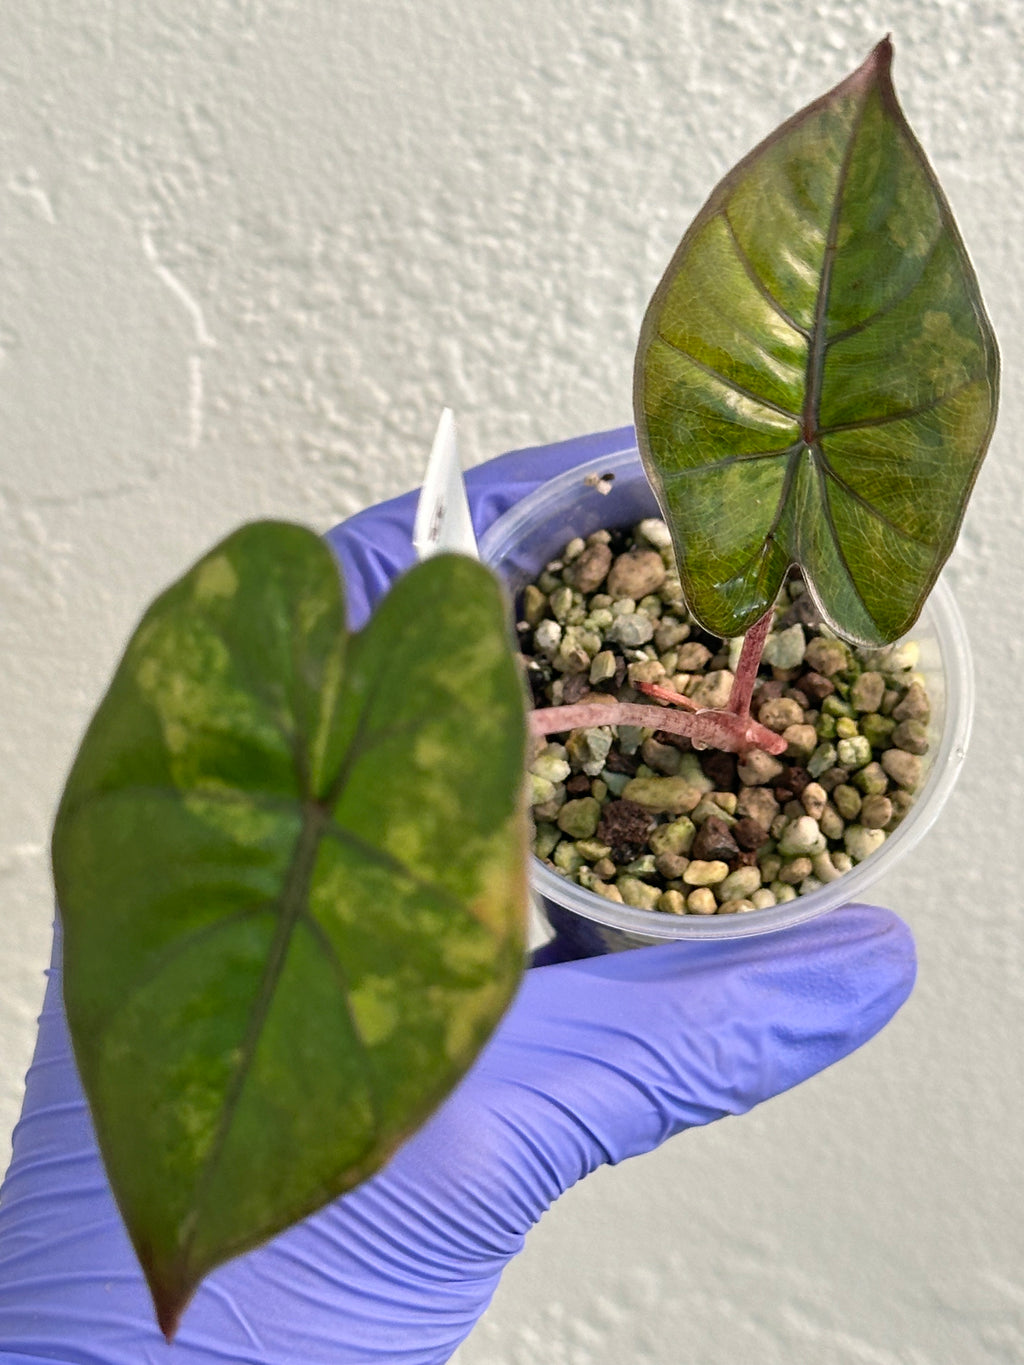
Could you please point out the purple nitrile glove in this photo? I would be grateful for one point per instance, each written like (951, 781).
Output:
(595, 1061)
(376, 545)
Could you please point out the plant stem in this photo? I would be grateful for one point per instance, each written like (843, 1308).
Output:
(708, 728)
(732, 729)
(746, 669)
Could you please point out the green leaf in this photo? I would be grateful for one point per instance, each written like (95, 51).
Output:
(816, 376)
(291, 869)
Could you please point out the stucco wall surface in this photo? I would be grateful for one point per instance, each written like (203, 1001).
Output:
(248, 248)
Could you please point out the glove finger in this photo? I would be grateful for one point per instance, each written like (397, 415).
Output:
(375, 545)
(605, 1058)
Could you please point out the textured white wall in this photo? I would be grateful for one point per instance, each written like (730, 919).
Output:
(247, 250)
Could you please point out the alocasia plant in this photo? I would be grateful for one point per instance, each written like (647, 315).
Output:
(816, 376)
(816, 384)
(290, 860)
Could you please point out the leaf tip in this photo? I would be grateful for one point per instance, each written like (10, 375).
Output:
(882, 54)
(168, 1316)
(170, 1293)
(876, 68)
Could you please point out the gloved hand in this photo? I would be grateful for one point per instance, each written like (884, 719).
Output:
(376, 545)
(595, 1061)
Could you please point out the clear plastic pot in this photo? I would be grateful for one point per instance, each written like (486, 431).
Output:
(518, 545)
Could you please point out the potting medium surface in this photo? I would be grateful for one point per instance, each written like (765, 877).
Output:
(641, 818)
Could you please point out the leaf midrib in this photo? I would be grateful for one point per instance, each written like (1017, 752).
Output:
(292, 902)
(317, 823)
(819, 338)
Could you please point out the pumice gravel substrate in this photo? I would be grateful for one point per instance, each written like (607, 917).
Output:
(638, 815)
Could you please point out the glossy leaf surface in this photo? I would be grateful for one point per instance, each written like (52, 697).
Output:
(291, 868)
(816, 377)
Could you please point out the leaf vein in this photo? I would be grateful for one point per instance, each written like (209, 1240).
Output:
(331, 953)
(389, 863)
(756, 280)
(826, 508)
(725, 380)
(186, 942)
(760, 555)
(869, 507)
(225, 796)
(728, 460)
(906, 415)
(893, 303)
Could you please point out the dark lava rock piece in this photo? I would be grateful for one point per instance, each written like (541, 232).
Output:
(624, 827)
(714, 840)
(791, 783)
(719, 768)
(618, 762)
(749, 834)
